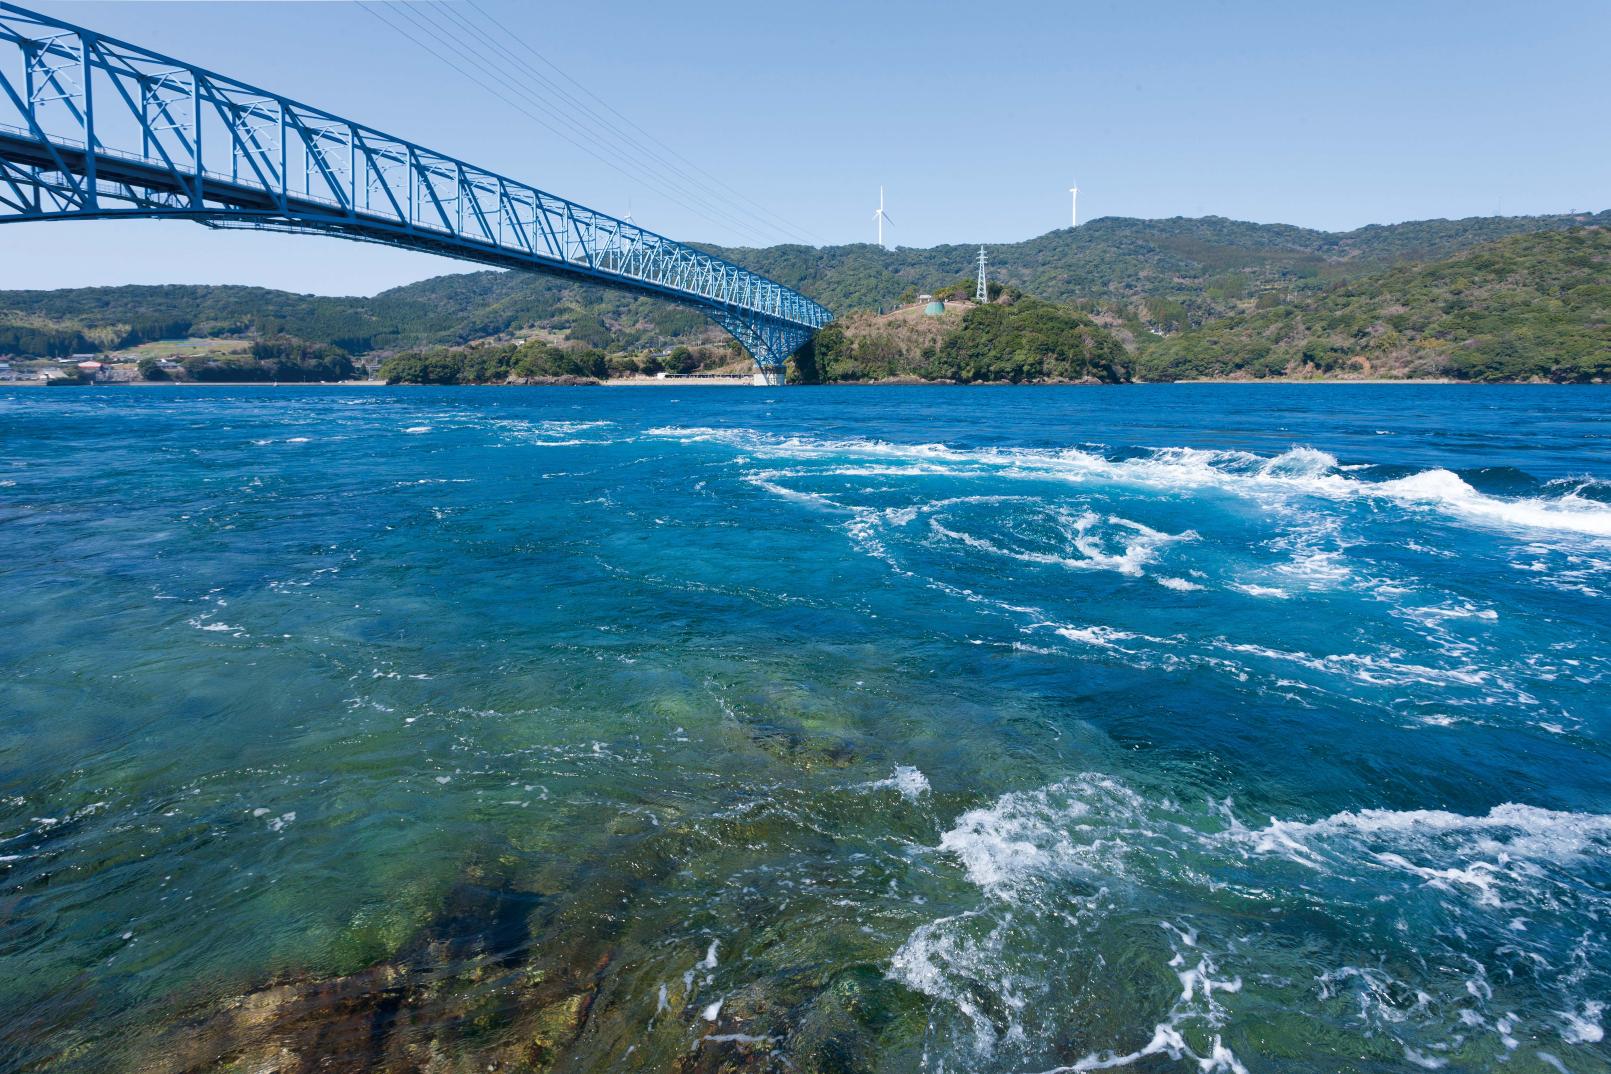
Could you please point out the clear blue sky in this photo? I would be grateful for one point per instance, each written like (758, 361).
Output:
(975, 116)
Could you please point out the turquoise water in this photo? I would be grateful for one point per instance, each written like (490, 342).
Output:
(1197, 728)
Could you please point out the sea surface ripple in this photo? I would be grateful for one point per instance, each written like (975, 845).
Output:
(1201, 728)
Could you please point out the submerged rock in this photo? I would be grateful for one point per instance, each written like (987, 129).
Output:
(473, 991)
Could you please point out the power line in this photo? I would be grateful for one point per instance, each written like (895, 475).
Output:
(621, 164)
(421, 16)
(537, 118)
(700, 182)
(647, 134)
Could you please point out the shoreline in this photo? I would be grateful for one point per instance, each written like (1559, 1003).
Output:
(206, 384)
(737, 381)
(1339, 380)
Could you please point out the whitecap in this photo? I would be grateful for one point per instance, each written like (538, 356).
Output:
(1300, 471)
(1444, 489)
(1044, 859)
(909, 781)
(1139, 544)
(1583, 1027)
(1253, 590)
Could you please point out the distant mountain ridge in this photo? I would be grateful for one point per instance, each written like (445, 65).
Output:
(1143, 277)
(1122, 257)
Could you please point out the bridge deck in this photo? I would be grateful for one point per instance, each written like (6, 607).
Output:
(92, 127)
(230, 202)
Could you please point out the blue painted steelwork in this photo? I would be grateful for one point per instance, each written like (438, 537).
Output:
(93, 127)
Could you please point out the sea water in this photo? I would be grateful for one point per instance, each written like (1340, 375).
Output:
(1198, 728)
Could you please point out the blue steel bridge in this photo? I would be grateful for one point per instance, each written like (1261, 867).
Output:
(96, 128)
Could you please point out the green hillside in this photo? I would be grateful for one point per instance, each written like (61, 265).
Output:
(1207, 264)
(1149, 281)
(445, 310)
(1015, 340)
(1527, 307)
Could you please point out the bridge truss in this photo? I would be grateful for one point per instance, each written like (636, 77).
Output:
(93, 127)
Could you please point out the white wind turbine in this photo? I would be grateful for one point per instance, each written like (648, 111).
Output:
(880, 217)
(1074, 206)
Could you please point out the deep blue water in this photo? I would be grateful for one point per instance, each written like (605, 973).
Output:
(1199, 727)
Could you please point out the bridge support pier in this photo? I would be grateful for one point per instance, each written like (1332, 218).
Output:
(769, 340)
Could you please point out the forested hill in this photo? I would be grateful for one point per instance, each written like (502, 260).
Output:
(1205, 262)
(1527, 307)
(1142, 277)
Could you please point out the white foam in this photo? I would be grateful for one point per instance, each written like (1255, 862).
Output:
(1370, 669)
(740, 1038)
(1446, 490)
(1139, 544)
(1260, 590)
(909, 781)
(1509, 831)
(213, 626)
(1101, 636)
(1424, 1061)
(1023, 834)
(812, 499)
(1584, 1027)
(1300, 471)
(1022, 851)
(415, 430)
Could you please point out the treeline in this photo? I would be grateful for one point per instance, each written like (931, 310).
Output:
(30, 342)
(539, 361)
(35, 342)
(447, 311)
(279, 359)
(535, 360)
(1018, 341)
(1161, 275)
(1530, 307)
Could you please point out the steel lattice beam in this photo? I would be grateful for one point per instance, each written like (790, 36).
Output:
(93, 127)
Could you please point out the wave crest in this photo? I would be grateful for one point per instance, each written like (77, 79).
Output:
(1302, 471)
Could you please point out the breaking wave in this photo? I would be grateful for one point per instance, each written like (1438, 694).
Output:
(1301, 471)
(1408, 933)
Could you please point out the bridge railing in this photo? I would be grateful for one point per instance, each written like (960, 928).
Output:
(213, 147)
